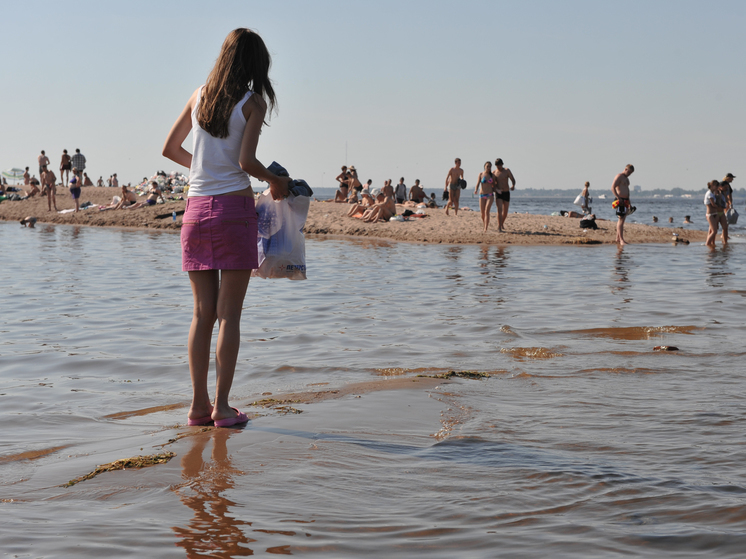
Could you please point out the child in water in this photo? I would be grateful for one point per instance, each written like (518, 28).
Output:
(225, 117)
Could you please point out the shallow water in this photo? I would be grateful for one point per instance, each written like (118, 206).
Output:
(585, 442)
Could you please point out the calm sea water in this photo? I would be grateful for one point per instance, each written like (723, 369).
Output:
(585, 442)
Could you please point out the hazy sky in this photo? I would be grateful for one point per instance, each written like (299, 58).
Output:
(564, 91)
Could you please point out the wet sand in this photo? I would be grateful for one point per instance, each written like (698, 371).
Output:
(329, 219)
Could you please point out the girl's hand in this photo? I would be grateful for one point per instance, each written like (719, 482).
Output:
(279, 187)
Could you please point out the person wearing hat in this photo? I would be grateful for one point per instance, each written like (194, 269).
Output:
(353, 181)
(357, 210)
(727, 179)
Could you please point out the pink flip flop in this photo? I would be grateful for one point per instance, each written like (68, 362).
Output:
(230, 421)
(200, 421)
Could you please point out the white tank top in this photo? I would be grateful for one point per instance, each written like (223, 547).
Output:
(215, 169)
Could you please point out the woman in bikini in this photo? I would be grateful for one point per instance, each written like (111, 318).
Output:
(485, 187)
(713, 212)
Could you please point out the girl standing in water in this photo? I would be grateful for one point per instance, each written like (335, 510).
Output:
(713, 211)
(219, 227)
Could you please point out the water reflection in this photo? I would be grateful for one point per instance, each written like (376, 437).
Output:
(493, 265)
(717, 266)
(213, 531)
(454, 253)
(623, 263)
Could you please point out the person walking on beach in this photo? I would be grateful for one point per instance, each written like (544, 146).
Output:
(43, 162)
(620, 190)
(26, 178)
(78, 162)
(486, 188)
(65, 166)
(225, 117)
(453, 185)
(49, 186)
(401, 191)
(503, 178)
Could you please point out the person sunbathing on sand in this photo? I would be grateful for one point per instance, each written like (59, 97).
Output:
(383, 210)
(128, 197)
(341, 195)
(33, 183)
(357, 210)
(153, 194)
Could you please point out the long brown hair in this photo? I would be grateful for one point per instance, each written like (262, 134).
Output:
(242, 65)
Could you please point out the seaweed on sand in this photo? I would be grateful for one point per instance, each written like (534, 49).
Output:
(136, 462)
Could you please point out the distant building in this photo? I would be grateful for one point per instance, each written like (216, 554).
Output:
(637, 188)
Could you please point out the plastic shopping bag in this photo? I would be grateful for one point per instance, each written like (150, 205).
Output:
(282, 246)
(732, 216)
(580, 200)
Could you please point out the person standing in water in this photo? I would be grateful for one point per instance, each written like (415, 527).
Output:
(219, 231)
(453, 185)
(620, 190)
(503, 177)
(713, 211)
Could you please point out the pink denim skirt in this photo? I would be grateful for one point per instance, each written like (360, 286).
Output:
(219, 233)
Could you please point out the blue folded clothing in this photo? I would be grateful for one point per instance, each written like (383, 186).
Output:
(298, 187)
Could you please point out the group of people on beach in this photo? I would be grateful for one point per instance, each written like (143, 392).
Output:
(372, 205)
(74, 164)
(491, 185)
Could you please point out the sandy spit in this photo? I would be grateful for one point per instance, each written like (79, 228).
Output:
(329, 219)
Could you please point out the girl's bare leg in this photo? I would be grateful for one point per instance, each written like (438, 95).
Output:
(205, 288)
(487, 213)
(233, 284)
(712, 233)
